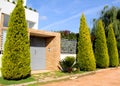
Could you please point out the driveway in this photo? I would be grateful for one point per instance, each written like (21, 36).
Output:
(108, 77)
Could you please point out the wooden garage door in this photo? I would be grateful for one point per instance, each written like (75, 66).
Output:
(38, 53)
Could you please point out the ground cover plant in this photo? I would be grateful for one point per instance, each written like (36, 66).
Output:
(67, 64)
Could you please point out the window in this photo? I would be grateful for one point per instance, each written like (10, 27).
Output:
(6, 19)
(30, 24)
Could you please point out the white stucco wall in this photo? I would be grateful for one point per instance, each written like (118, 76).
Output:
(62, 56)
(7, 8)
(32, 16)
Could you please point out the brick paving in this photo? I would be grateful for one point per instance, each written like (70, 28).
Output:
(107, 77)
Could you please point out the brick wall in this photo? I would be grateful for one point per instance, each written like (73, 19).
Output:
(53, 52)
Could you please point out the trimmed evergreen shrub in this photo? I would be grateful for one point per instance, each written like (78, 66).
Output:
(16, 54)
(112, 48)
(67, 64)
(101, 50)
(85, 56)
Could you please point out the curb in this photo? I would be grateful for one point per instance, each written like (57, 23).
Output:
(75, 76)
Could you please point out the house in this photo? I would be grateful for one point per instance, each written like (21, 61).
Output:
(44, 46)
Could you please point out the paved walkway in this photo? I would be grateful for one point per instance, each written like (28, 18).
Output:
(110, 77)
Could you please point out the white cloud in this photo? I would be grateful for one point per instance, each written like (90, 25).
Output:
(86, 12)
(43, 17)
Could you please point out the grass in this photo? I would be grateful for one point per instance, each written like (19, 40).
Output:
(43, 83)
(55, 74)
(0, 62)
(9, 82)
(40, 76)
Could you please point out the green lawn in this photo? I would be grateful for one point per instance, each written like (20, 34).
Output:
(0, 61)
(43, 83)
(0, 64)
(0, 72)
(9, 82)
(55, 74)
(40, 76)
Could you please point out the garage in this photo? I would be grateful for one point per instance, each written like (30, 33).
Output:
(38, 53)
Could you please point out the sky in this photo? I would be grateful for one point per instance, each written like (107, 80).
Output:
(57, 15)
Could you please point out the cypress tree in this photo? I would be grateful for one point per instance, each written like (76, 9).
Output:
(85, 56)
(112, 48)
(16, 54)
(101, 50)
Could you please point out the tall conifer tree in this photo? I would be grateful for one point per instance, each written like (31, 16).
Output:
(85, 56)
(101, 50)
(112, 47)
(16, 54)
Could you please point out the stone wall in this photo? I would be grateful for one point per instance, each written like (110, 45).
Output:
(68, 46)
